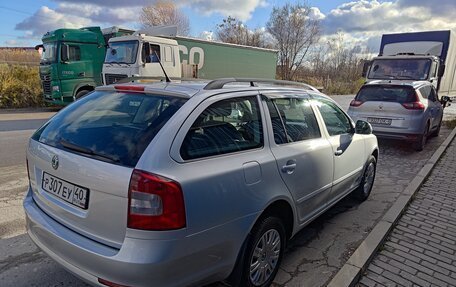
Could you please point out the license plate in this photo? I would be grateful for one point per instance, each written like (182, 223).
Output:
(67, 191)
(379, 121)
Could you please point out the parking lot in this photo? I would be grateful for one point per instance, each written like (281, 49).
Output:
(312, 257)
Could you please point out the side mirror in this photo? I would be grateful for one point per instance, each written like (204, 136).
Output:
(366, 67)
(363, 128)
(65, 53)
(441, 71)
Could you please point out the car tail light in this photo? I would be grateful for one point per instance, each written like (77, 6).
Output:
(416, 105)
(130, 88)
(413, 106)
(109, 283)
(356, 103)
(155, 202)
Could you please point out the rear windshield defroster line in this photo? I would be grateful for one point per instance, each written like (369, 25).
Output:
(110, 126)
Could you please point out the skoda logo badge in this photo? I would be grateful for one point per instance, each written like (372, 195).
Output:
(55, 162)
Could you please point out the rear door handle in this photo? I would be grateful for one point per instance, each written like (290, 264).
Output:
(339, 152)
(289, 167)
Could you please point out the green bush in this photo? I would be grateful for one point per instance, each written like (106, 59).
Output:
(20, 87)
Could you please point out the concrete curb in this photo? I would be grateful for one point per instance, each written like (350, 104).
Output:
(349, 274)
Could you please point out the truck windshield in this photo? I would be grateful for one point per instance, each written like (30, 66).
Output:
(123, 52)
(403, 69)
(49, 54)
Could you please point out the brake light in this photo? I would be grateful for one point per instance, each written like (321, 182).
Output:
(155, 202)
(130, 88)
(109, 283)
(416, 105)
(356, 103)
(413, 106)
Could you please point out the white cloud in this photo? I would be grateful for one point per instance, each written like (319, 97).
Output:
(367, 20)
(46, 19)
(240, 9)
(207, 35)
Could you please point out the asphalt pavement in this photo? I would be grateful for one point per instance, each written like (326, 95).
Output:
(313, 256)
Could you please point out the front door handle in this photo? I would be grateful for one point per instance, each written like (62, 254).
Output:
(289, 167)
(338, 152)
(81, 74)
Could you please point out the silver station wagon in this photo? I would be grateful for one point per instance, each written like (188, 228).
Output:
(189, 183)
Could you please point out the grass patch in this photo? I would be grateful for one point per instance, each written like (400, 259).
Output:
(20, 86)
(450, 124)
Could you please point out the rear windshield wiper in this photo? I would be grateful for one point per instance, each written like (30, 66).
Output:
(84, 150)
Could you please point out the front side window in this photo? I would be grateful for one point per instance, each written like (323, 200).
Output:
(336, 121)
(74, 53)
(123, 52)
(224, 127)
(292, 120)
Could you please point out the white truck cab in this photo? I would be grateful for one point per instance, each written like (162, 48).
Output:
(139, 54)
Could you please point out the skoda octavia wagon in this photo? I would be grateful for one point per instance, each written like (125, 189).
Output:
(184, 184)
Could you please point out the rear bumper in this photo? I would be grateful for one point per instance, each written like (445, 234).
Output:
(139, 262)
(396, 135)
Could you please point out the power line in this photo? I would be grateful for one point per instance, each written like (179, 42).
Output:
(24, 12)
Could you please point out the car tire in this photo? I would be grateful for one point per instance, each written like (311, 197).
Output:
(81, 94)
(422, 139)
(437, 131)
(264, 253)
(364, 189)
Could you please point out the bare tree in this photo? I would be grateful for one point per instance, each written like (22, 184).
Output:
(234, 31)
(165, 13)
(295, 32)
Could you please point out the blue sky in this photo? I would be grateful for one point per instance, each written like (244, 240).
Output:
(361, 21)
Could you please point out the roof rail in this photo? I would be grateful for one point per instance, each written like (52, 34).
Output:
(220, 83)
(159, 78)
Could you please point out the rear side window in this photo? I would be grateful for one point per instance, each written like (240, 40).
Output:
(425, 91)
(110, 126)
(386, 94)
(74, 53)
(292, 120)
(224, 127)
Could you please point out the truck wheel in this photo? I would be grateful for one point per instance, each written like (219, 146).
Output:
(264, 253)
(81, 94)
(421, 142)
(367, 181)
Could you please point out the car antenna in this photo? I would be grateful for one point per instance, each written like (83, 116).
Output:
(163, 69)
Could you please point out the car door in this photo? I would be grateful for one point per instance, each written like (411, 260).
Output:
(223, 162)
(304, 157)
(348, 148)
(436, 108)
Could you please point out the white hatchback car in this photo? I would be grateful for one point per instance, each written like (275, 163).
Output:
(408, 111)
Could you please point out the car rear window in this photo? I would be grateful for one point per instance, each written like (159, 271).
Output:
(386, 94)
(110, 126)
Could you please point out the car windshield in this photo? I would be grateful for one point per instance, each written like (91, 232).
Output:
(122, 52)
(114, 127)
(49, 53)
(397, 94)
(413, 69)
